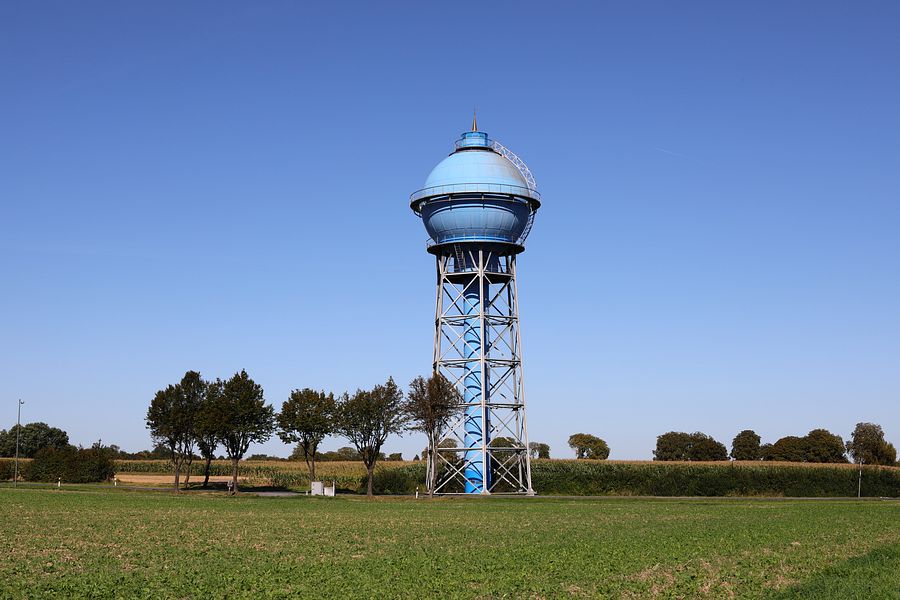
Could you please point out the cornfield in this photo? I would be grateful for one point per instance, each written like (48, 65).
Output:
(587, 477)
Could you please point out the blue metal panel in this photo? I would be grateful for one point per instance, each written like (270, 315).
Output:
(464, 219)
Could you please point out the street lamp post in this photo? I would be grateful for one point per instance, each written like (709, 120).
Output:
(18, 431)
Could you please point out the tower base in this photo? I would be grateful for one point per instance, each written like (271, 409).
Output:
(477, 347)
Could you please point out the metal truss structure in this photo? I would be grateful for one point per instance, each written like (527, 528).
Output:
(516, 161)
(477, 347)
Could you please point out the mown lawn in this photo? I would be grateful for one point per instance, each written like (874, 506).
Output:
(101, 542)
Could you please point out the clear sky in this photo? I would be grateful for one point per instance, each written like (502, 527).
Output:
(224, 185)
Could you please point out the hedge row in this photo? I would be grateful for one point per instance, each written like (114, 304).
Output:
(7, 468)
(71, 465)
(595, 478)
(600, 478)
(577, 478)
(287, 475)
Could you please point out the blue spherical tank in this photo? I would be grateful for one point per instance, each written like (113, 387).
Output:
(476, 195)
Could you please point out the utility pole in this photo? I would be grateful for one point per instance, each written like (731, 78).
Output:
(18, 431)
(859, 484)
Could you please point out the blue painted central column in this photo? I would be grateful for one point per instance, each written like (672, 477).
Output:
(473, 389)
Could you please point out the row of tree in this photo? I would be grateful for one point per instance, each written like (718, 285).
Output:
(867, 445)
(198, 415)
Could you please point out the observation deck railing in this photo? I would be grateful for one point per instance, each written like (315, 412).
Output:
(488, 188)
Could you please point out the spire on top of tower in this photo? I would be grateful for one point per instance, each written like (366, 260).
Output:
(474, 120)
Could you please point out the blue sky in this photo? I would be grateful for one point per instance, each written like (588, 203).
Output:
(223, 185)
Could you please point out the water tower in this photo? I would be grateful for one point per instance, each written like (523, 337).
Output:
(478, 206)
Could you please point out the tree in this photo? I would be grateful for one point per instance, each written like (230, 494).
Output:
(822, 446)
(306, 417)
(500, 452)
(588, 446)
(673, 445)
(32, 438)
(745, 446)
(697, 446)
(705, 448)
(538, 450)
(789, 448)
(444, 443)
(367, 418)
(344, 453)
(868, 446)
(194, 390)
(430, 406)
(208, 425)
(245, 418)
(817, 446)
(886, 454)
(170, 419)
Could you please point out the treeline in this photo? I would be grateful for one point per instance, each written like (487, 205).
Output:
(196, 416)
(865, 446)
(38, 435)
(67, 464)
(51, 457)
(32, 438)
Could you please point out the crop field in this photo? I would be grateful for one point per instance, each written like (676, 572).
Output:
(582, 477)
(96, 541)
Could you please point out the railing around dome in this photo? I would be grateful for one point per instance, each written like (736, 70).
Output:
(489, 188)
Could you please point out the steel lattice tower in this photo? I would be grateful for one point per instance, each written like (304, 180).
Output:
(478, 206)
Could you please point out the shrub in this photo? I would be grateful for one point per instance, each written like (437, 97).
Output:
(7, 469)
(399, 480)
(72, 465)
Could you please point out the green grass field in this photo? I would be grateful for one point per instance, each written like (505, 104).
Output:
(101, 542)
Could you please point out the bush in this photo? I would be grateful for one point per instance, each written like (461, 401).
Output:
(72, 465)
(7, 469)
(396, 480)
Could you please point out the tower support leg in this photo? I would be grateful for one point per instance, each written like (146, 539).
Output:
(478, 348)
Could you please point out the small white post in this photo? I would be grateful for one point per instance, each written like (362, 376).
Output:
(417, 492)
(58, 482)
(116, 481)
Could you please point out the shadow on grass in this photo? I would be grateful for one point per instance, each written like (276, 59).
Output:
(873, 575)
